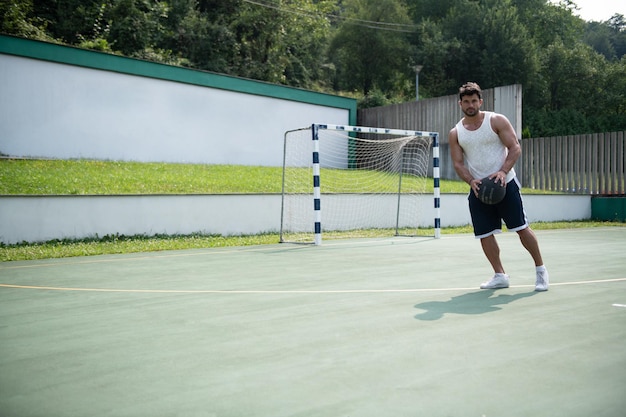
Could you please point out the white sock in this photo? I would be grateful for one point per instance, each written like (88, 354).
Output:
(540, 268)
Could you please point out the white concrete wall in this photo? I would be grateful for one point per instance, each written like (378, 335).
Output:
(539, 208)
(64, 111)
(35, 218)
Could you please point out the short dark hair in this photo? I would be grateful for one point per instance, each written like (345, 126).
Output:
(469, 89)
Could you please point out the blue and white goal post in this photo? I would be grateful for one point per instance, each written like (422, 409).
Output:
(356, 181)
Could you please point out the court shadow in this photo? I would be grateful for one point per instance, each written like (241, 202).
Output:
(478, 302)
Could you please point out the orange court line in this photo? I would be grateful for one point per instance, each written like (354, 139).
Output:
(348, 291)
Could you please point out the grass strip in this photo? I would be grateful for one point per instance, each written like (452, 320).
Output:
(89, 177)
(120, 244)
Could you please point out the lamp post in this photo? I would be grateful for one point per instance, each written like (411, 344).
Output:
(417, 69)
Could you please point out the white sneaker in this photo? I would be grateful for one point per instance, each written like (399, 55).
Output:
(498, 281)
(543, 281)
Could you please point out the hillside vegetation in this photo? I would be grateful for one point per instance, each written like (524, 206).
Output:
(573, 72)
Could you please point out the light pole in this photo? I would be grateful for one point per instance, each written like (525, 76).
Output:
(417, 69)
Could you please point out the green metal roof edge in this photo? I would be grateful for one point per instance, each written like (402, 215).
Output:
(63, 54)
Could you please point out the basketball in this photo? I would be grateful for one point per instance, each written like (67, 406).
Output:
(491, 192)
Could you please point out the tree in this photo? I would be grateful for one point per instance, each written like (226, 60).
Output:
(548, 24)
(618, 39)
(579, 82)
(205, 44)
(370, 46)
(434, 10)
(18, 18)
(306, 39)
(495, 48)
(574, 76)
(72, 21)
(130, 26)
(608, 38)
(610, 110)
(509, 55)
(281, 42)
(598, 36)
(435, 51)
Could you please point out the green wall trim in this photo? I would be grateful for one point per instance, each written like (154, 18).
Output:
(63, 54)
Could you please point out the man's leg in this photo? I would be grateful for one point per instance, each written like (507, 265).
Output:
(529, 241)
(492, 252)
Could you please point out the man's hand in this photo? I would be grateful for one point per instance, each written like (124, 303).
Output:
(500, 177)
(475, 185)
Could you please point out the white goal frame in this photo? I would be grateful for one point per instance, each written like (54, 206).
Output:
(316, 161)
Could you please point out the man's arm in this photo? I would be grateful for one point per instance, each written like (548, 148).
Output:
(501, 125)
(456, 152)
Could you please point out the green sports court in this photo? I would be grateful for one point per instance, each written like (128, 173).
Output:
(376, 327)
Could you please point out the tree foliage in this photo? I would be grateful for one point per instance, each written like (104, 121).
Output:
(573, 72)
(370, 49)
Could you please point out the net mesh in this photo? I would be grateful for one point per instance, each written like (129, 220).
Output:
(370, 185)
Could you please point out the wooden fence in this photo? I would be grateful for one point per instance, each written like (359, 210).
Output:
(581, 164)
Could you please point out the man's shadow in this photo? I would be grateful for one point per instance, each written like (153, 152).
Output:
(478, 302)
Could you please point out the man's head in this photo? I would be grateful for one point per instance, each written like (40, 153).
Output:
(470, 99)
(469, 89)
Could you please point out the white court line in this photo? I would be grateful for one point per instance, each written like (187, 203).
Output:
(619, 305)
(353, 291)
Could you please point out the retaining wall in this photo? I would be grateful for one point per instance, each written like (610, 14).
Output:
(42, 218)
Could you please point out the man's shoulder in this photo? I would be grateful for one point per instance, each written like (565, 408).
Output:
(496, 116)
(499, 120)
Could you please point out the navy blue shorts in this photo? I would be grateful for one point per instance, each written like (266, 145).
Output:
(487, 219)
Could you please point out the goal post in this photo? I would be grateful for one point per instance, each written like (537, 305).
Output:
(355, 181)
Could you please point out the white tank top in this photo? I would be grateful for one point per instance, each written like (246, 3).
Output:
(484, 151)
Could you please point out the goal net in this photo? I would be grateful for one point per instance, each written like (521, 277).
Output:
(353, 181)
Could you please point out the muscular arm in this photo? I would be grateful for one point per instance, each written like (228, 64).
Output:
(501, 125)
(456, 153)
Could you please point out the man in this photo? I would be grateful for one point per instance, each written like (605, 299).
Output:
(484, 144)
